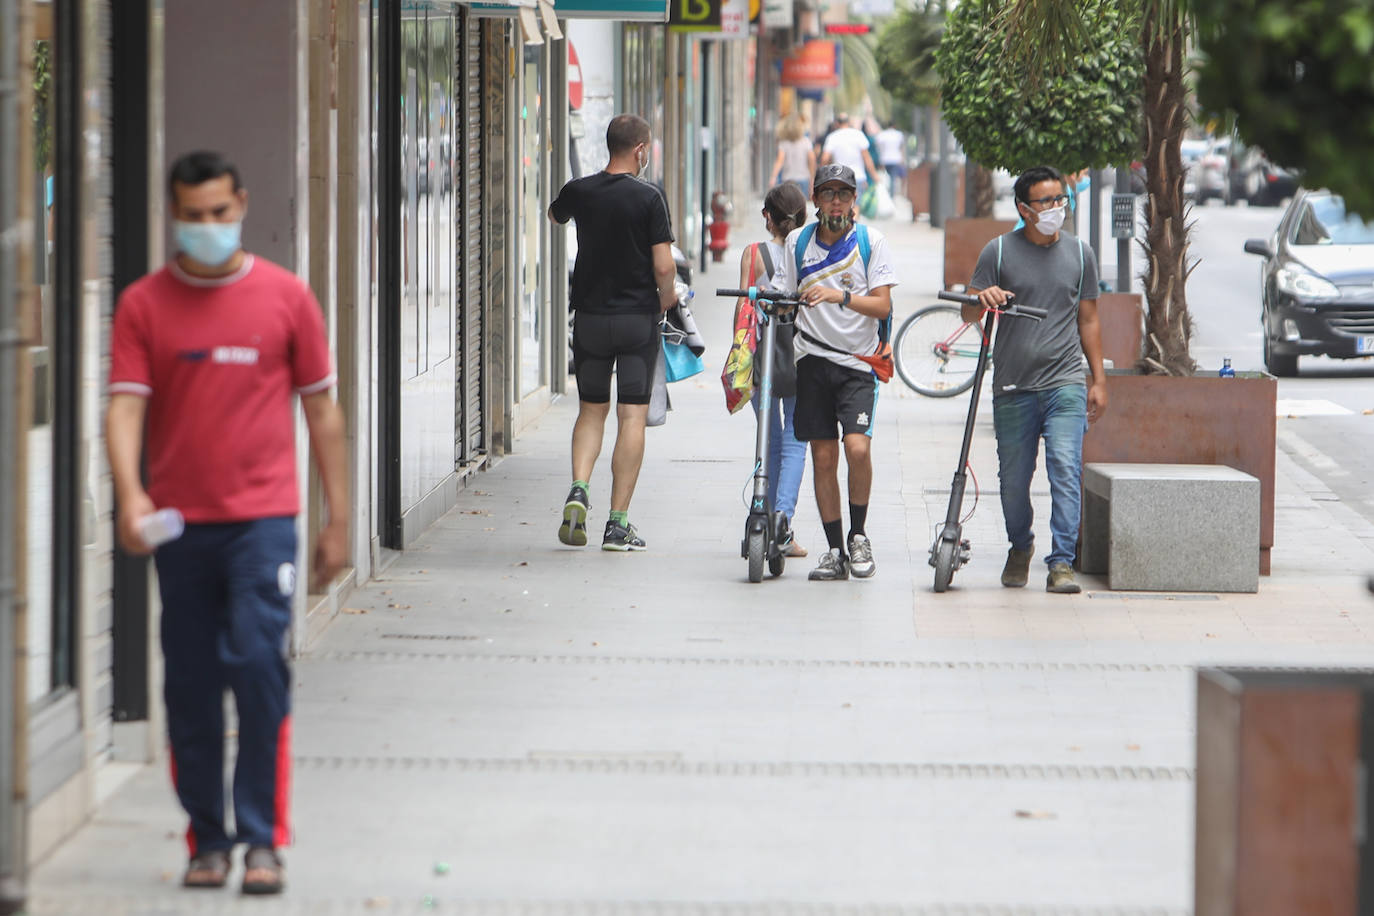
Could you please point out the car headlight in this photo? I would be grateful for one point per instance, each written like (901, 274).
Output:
(1303, 284)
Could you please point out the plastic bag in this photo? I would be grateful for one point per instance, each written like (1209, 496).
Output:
(883, 206)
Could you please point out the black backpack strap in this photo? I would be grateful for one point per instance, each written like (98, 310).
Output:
(767, 260)
(820, 343)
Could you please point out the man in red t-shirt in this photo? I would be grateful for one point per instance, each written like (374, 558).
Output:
(206, 355)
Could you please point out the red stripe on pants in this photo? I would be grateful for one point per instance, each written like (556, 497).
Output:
(190, 834)
(281, 830)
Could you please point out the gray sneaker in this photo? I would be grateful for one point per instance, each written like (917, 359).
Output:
(622, 538)
(573, 531)
(1061, 581)
(861, 564)
(1017, 570)
(833, 565)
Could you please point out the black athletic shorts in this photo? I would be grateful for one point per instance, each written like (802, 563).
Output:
(830, 395)
(627, 343)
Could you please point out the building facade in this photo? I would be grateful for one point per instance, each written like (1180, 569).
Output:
(400, 156)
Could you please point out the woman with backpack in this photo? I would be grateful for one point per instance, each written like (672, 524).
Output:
(784, 209)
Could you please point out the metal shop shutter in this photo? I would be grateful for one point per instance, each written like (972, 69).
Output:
(471, 424)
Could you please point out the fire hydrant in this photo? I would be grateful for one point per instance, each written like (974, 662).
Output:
(721, 208)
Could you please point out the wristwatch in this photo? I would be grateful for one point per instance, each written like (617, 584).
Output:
(844, 303)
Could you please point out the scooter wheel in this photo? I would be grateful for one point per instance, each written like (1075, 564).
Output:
(757, 549)
(944, 564)
(776, 564)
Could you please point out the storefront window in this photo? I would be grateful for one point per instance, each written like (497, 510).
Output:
(533, 194)
(48, 652)
(427, 296)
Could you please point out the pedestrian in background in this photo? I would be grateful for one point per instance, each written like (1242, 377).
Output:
(784, 209)
(848, 146)
(844, 275)
(892, 157)
(622, 284)
(207, 354)
(796, 160)
(1038, 372)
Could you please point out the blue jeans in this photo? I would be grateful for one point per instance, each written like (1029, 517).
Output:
(1060, 417)
(786, 456)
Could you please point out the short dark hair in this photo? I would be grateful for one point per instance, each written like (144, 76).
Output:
(786, 204)
(199, 167)
(1032, 177)
(625, 132)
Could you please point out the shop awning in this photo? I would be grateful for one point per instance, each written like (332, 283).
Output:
(625, 10)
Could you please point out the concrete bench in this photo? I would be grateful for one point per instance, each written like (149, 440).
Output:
(1171, 527)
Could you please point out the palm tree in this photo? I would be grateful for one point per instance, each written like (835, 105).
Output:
(1041, 34)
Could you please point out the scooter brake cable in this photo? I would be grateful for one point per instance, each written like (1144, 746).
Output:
(744, 494)
(977, 491)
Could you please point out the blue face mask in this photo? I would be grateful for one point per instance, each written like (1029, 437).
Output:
(209, 243)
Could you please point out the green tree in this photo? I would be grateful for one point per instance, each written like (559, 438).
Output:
(1047, 37)
(906, 56)
(1085, 116)
(1297, 79)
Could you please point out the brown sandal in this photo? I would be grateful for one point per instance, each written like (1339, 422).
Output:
(263, 871)
(209, 869)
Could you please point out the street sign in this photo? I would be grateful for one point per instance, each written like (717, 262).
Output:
(847, 28)
(574, 79)
(1123, 216)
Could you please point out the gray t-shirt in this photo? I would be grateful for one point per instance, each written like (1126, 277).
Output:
(1038, 355)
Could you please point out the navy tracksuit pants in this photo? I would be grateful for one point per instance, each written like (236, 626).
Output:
(226, 618)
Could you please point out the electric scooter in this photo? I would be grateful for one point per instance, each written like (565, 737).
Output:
(950, 551)
(767, 534)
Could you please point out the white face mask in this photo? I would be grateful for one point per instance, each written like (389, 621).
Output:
(1050, 221)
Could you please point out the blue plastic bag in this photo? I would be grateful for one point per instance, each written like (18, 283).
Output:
(679, 361)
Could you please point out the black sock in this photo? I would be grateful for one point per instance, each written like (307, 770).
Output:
(834, 532)
(857, 516)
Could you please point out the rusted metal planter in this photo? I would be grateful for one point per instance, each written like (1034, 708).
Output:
(1121, 318)
(1197, 420)
(965, 239)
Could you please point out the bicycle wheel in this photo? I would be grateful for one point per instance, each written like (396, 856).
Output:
(936, 351)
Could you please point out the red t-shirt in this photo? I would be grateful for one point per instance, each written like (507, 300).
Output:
(218, 361)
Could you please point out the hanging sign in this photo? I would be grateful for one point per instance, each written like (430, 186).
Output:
(777, 14)
(815, 65)
(734, 21)
(694, 15)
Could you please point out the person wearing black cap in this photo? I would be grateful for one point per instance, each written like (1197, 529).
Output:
(843, 274)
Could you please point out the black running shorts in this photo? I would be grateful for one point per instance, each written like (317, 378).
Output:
(830, 395)
(627, 343)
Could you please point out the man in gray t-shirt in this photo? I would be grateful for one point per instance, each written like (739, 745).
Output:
(1038, 370)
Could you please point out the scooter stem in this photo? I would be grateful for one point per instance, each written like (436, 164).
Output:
(764, 393)
(956, 489)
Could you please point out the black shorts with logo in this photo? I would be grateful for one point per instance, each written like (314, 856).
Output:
(829, 396)
(627, 342)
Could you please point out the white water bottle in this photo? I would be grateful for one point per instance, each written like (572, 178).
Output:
(161, 526)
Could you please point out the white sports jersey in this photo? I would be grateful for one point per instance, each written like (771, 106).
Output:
(838, 267)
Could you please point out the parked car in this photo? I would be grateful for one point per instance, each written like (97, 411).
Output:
(1192, 152)
(1213, 171)
(1251, 177)
(1317, 283)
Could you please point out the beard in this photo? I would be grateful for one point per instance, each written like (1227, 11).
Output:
(839, 223)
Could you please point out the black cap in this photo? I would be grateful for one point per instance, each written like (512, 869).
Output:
(835, 172)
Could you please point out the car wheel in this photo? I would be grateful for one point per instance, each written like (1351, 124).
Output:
(1281, 365)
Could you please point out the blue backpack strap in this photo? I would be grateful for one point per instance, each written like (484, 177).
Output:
(1080, 271)
(865, 249)
(804, 239)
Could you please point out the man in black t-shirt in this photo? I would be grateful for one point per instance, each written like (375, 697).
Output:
(622, 284)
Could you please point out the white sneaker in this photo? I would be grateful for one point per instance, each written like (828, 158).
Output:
(831, 567)
(861, 564)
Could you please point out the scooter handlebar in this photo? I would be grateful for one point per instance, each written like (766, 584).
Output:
(1014, 311)
(763, 295)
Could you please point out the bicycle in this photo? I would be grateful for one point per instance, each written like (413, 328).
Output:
(936, 351)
